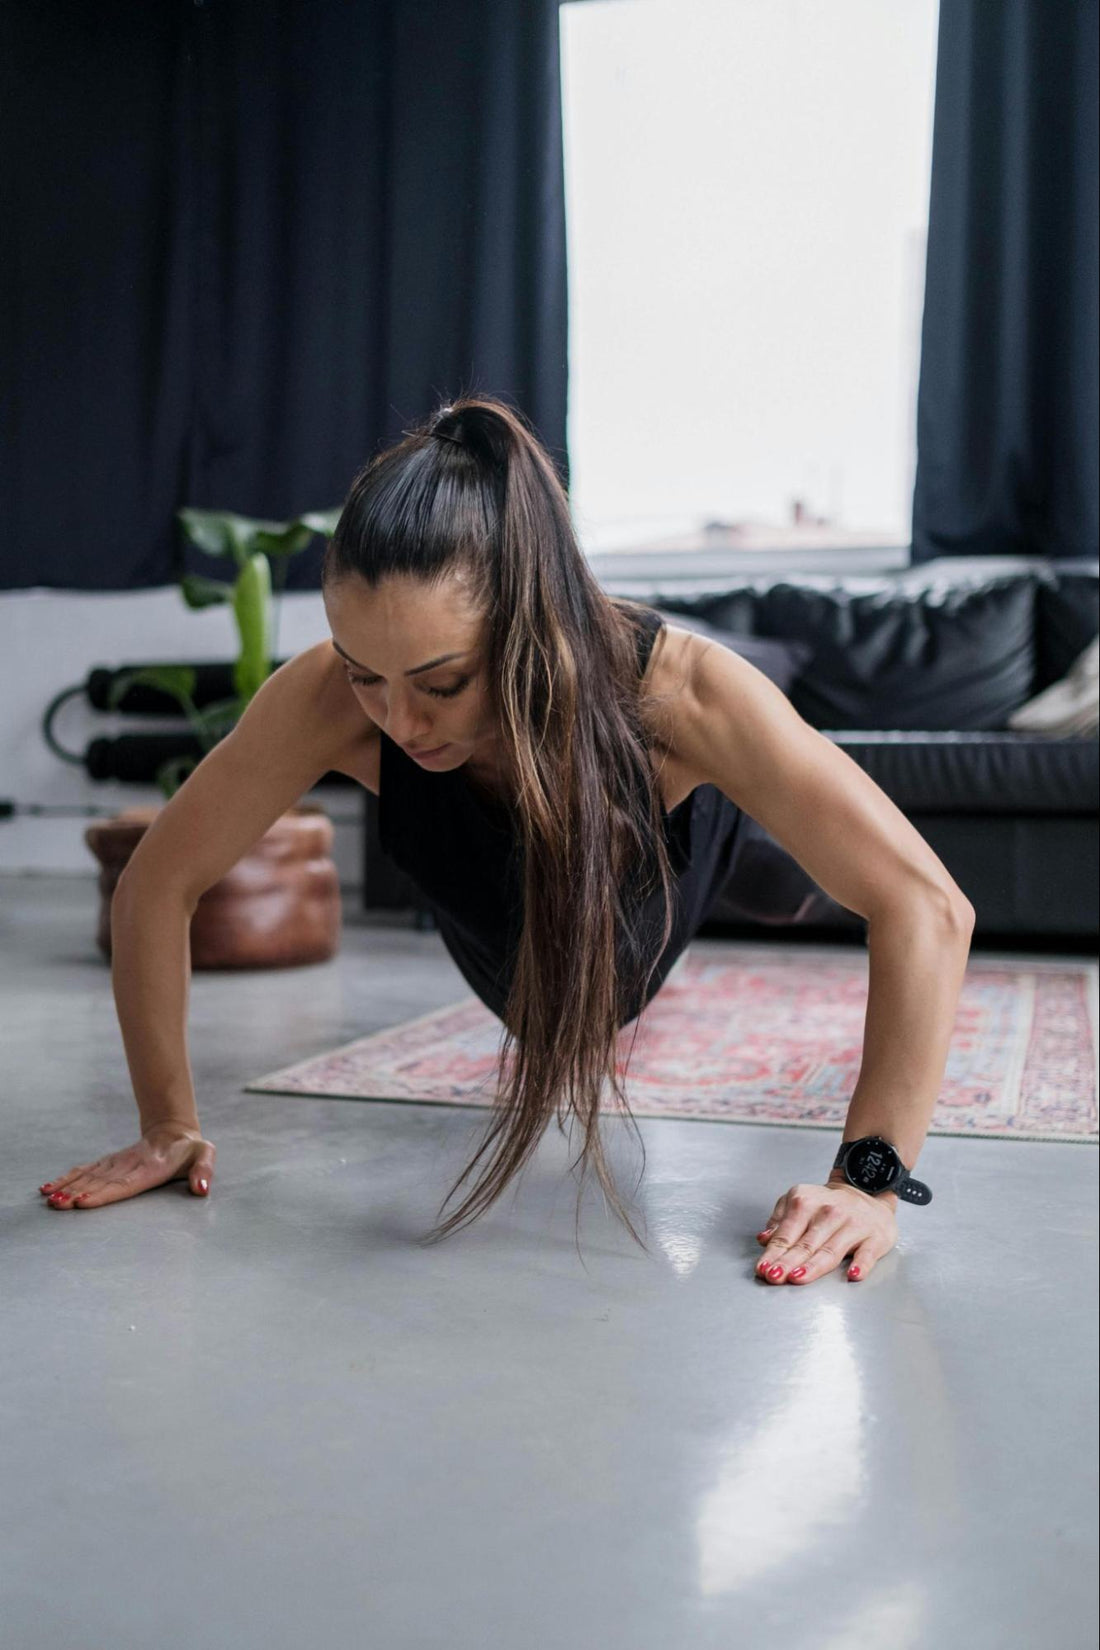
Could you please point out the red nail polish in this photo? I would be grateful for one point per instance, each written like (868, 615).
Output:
(853, 1271)
(775, 1272)
(799, 1272)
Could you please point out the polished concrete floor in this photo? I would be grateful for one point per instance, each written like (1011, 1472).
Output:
(272, 1418)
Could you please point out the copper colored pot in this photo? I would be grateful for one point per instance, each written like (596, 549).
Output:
(279, 907)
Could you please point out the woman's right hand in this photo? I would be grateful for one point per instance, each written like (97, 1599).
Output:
(165, 1152)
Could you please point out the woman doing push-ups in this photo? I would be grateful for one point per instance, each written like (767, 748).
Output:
(567, 779)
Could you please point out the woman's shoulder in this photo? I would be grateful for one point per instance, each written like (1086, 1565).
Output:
(668, 698)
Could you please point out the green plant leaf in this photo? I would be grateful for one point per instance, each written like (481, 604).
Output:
(176, 680)
(322, 521)
(225, 533)
(249, 541)
(119, 688)
(207, 529)
(219, 717)
(252, 609)
(202, 592)
(171, 774)
(288, 542)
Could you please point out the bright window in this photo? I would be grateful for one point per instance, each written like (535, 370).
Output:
(747, 207)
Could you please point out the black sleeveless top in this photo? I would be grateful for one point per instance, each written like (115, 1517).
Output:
(464, 853)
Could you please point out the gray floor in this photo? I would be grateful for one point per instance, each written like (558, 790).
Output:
(272, 1418)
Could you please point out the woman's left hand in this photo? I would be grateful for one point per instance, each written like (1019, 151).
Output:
(812, 1229)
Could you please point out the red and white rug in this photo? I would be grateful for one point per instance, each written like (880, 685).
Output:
(756, 1032)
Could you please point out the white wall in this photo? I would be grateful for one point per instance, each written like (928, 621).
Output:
(50, 640)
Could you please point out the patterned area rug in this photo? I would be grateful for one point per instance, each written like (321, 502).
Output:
(751, 1032)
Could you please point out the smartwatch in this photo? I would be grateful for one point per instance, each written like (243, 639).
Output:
(872, 1165)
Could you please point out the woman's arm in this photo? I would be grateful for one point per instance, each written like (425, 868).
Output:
(294, 729)
(150, 976)
(738, 731)
(915, 973)
(917, 965)
(297, 726)
(300, 723)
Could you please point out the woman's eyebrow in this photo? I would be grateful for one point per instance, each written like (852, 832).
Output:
(415, 671)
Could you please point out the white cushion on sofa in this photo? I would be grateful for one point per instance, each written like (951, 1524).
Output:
(1069, 708)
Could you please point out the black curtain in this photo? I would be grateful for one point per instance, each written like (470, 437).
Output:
(247, 243)
(1007, 408)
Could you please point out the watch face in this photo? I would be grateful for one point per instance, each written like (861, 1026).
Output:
(873, 1164)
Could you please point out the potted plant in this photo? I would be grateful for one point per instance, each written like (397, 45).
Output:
(280, 904)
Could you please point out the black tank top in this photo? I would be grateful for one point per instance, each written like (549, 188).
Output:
(464, 854)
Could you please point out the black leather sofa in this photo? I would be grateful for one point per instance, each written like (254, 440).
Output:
(915, 673)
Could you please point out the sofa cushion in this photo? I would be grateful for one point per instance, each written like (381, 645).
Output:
(947, 658)
(978, 773)
(1068, 707)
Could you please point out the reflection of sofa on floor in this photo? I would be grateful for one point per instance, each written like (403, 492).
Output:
(922, 677)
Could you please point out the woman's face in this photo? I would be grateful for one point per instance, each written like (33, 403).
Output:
(385, 633)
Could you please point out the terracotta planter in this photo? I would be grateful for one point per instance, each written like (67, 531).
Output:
(279, 907)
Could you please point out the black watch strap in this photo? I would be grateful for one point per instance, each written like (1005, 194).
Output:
(906, 1186)
(911, 1190)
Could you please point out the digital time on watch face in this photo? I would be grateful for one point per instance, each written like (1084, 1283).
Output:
(871, 1164)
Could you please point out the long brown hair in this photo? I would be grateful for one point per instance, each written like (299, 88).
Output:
(563, 679)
